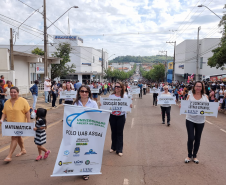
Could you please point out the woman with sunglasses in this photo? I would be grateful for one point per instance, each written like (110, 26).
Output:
(195, 123)
(84, 99)
(117, 121)
(166, 107)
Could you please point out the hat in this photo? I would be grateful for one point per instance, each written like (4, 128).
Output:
(47, 78)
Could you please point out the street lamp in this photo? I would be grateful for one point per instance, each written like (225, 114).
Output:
(45, 36)
(209, 9)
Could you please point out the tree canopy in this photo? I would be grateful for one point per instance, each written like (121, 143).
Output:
(119, 75)
(37, 51)
(141, 59)
(218, 59)
(155, 74)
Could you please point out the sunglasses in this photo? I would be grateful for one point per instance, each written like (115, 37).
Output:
(117, 86)
(82, 91)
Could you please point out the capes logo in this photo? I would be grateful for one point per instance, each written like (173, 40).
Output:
(69, 123)
(90, 152)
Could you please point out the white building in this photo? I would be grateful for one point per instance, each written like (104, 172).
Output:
(27, 68)
(120, 66)
(186, 54)
(88, 61)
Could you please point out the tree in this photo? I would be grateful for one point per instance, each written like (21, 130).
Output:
(155, 74)
(219, 54)
(62, 51)
(37, 51)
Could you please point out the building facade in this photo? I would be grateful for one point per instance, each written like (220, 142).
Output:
(186, 58)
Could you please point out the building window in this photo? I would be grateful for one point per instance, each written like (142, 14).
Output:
(93, 59)
(201, 62)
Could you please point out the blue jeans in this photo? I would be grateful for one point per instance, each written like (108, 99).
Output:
(3, 102)
(34, 101)
(105, 91)
(46, 96)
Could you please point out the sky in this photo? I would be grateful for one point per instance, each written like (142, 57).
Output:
(121, 27)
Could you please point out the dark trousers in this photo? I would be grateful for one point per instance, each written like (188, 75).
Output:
(117, 125)
(166, 110)
(140, 95)
(144, 91)
(49, 97)
(176, 96)
(60, 101)
(68, 102)
(155, 95)
(194, 136)
(54, 100)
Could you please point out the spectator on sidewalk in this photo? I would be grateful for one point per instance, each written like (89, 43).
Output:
(47, 86)
(2, 78)
(16, 109)
(34, 91)
(7, 90)
(59, 90)
(54, 93)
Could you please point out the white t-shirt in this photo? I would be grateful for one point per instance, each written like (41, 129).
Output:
(197, 118)
(7, 97)
(45, 86)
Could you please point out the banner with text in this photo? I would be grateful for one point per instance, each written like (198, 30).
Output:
(115, 104)
(95, 91)
(68, 94)
(199, 108)
(18, 129)
(154, 90)
(166, 100)
(81, 149)
(134, 90)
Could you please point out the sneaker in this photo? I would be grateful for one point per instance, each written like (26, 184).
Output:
(163, 122)
(47, 154)
(168, 124)
(38, 158)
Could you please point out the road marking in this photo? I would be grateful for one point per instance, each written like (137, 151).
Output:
(132, 123)
(126, 182)
(209, 122)
(223, 130)
(7, 147)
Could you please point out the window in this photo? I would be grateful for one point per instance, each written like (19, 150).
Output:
(201, 62)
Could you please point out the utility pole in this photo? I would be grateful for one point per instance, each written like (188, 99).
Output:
(45, 41)
(173, 59)
(11, 50)
(165, 64)
(102, 63)
(197, 59)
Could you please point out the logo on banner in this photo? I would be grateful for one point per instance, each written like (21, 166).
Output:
(202, 112)
(66, 152)
(76, 151)
(78, 162)
(61, 163)
(87, 162)
(69, 121)
(68, 171)
(86, 170)
(191, 111)
(81, 143)
(90, 152)
(82, 140)
(19, 133)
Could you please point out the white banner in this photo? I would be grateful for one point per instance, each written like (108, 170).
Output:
(166, 100)
(18, 129)
(134, 91)
(94, 90)
(68, 94)
(115, 104)
(199, 108)
(81, 149)
(154, 90)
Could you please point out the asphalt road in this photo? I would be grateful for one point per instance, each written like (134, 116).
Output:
(153, 153)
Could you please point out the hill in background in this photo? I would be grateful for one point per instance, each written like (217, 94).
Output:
(141, 59)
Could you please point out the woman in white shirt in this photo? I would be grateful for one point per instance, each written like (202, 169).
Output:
(195, 123)
(84, 99)
(68, 100)
(166, 108)
(144, 88)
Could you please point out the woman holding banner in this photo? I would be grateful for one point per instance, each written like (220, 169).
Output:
(84, 99)
(117, 121)
(68, 100)
(195, 123)
(16, 109)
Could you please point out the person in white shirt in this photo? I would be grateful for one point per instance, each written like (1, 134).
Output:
(144, 88)
(47, 87)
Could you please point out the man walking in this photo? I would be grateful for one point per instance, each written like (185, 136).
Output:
(47, 86)
(141, 87)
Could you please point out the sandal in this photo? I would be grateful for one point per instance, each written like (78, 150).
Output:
(187, 160)
(196, 161)
(21, 153)
(38, 158)
(85, 177)
(47, 154)
(7, 159)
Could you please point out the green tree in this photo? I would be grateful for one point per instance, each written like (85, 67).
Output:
(63, 51)
(37, 51)
(155, 74)
(219, 54)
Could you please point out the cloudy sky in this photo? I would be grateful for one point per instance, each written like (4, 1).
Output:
(122, 27)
